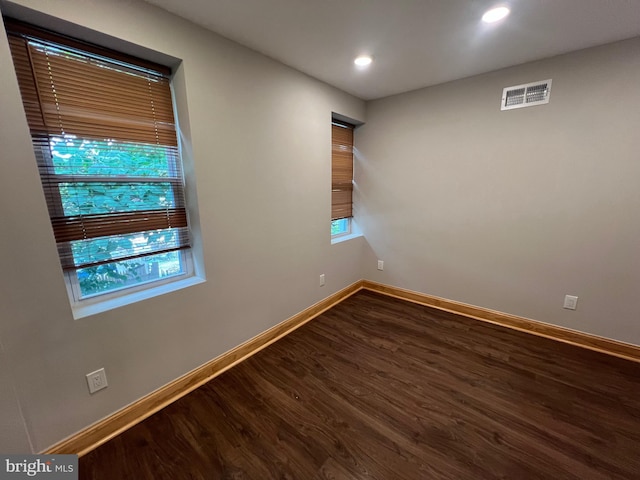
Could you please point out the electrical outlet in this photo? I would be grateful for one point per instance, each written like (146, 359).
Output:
(380, 265)
(322, 280)
(97, 380)
(570, 302)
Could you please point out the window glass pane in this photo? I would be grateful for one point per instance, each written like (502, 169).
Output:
(114, 276)
(78, 156)
(104, 197)
(340, 227)
(120, 246)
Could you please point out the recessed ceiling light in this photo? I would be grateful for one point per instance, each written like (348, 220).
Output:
(495, 14)
(363, 60)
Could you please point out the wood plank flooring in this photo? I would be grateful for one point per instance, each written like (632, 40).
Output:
(379, 388)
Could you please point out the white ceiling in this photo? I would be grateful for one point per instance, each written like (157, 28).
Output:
(415, 43)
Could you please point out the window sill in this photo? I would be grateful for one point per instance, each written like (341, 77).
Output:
(344, 238)
(82, 311)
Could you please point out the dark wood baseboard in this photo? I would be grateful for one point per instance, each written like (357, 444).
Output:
(560, 334)
(95, 435)
(100, 432)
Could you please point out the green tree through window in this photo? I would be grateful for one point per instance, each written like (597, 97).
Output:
(101, 162)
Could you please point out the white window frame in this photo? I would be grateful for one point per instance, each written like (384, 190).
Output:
(127, 295)
(75, 294)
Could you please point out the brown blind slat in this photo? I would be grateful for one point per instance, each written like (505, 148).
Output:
(67, 229)
(341, 171)
(341, 203)
(93, 98)
(26, 81)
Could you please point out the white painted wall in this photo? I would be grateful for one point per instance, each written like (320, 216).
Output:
(512, 210)
(250, 119)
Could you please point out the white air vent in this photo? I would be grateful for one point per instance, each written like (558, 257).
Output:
(527, 95)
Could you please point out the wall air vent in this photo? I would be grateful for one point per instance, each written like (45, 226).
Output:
(527, 95)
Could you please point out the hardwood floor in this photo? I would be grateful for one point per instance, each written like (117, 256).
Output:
(385, 389)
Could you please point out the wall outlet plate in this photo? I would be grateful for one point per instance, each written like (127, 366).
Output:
(97, 380)
(322, 279)
(570, 302)
(380, 265)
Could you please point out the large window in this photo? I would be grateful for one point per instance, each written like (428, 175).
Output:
(341, 177)
(104, 136)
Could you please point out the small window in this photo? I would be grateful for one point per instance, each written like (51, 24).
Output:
(341, 177)
(104, 136)
(340, 227)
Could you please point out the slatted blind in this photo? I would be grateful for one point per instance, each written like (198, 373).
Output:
(105, 140)
(341, 170)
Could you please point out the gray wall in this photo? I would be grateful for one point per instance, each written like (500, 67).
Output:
(250, 119)
(512, 210)
(13, 433)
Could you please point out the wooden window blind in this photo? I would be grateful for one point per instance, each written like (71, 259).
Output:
(104, 136)
(341, 170)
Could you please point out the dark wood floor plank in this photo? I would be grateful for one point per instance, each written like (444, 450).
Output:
(379, 388)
